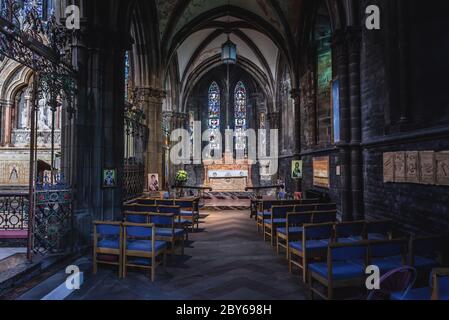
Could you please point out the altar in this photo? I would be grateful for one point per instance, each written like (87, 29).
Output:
(227, 176)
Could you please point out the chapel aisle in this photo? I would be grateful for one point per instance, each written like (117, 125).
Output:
(226, 259)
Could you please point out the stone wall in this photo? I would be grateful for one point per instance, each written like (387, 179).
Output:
(408, 114)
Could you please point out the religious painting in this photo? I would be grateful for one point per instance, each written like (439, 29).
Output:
(321, 177)
(399, 167)
(153, 182)
(427, 167)
(411, 169)
(442, 168)
(388, 165)
(296, 169)
(109, 178)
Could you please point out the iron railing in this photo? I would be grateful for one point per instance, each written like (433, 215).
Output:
(14, 209)
(134, 181)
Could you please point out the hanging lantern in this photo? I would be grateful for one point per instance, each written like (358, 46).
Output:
(229, 52)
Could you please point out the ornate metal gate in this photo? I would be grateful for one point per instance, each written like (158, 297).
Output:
(52, 219)
(34, 38)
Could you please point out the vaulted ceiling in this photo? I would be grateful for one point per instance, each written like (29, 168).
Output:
(193, 31)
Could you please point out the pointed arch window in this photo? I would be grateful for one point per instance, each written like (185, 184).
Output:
(127, 75)
(240, 101)
(214, 115)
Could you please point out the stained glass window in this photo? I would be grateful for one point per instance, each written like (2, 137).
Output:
(214, 115)
(240, 116)
(127, 69)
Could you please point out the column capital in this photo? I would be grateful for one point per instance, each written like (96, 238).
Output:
(151, 92)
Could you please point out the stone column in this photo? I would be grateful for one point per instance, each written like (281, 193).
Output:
(354, 43)
(273, 123)
(151, 100)
(295, 94)
(95, 138)
(7, 109)
(341, 57)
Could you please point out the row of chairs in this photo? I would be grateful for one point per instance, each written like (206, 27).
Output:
(260, 205)
(277, 214)
(346, 263)
(165, 222)
(188, 208)
(309, 241)
(438, 288)
(126, 244)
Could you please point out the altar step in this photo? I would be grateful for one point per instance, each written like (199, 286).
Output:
(220, 201)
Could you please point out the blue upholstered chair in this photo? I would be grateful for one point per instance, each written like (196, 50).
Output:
(107, 245)
(189, 211)
(324, 216)
(166, 231)
(397, 281)
(180, 222)
(426, 252)
(349, 231)
(388, 254)
(379, 230)
(345, 268)
(165, 227)
(292, 231)
(146, 201)
(305, 207)
(145, 208)
(165, 202)
(326, 207)
(136, 217)
(438, 288)
(141, 249)
(264, 212)
(278, 218)
(315, 240)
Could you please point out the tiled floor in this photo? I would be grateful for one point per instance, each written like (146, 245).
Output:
(226, 260)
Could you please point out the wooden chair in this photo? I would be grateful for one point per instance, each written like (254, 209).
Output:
(264, 212)
(437, 290)
(324, 216)
(440, 280)
(180, 222)
(345, 268)
(141, 249)
(379, 229)
(315, 240)
(349, 231)
(388, 255)
(189, 211)
(278, 218)
(427, 252)
(165, 202)
(144, 208)
(146, 201)
(326, 207)
(108, 238)
(293, 229)
(165, 227)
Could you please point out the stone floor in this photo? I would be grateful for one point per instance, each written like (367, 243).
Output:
(7, 252)
(227, 259)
